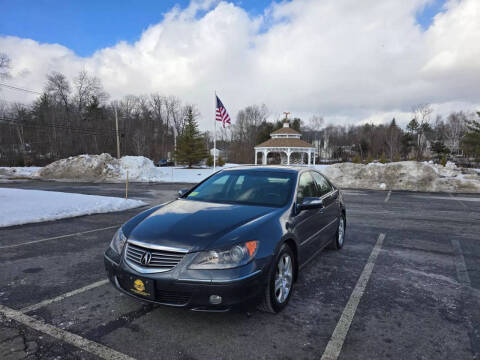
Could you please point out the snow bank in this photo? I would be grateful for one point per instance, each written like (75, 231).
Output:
(28, 206)
(139, 168)
(105, 168)
(19, 172)
(404, 175)
(94, 168)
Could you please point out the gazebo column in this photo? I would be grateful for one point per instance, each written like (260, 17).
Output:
(309, 157)
(265, 153)
(256, 155)
(289, 152)
(313, 157)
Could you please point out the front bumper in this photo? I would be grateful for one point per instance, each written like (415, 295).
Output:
(191, 289)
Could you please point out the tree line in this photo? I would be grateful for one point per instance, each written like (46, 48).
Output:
(72, 117)
(454, 137)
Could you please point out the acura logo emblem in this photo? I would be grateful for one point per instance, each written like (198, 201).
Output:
(146, 258)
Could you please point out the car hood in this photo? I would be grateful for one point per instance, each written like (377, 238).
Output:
(194, 225)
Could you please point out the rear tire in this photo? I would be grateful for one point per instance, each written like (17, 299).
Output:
(279, 288)
(339, 239)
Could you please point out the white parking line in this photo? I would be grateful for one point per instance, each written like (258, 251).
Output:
(388, 195)
(460, 265)
(461, 203)
(92, 347)
(64, 296)
(58, 237)
(334, 346)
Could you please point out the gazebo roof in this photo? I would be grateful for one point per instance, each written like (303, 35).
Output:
(285, 142)
(285, 130)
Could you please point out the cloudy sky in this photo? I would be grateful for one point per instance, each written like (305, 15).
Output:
(349, 61)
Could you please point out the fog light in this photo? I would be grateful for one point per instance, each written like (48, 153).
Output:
(215, 299)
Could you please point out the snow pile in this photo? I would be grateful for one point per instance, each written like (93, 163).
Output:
(139, 169)
(105, 168)
(18, 172)
(404, 175)
(94, 168)
(102, 168)
(28, 206)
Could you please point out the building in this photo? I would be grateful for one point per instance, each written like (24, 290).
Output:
(287, 143)
(218, 153)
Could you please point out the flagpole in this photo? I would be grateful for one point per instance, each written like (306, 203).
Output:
(215, 132)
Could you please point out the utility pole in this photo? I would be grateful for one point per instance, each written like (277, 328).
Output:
(116, 128)
(174, 145)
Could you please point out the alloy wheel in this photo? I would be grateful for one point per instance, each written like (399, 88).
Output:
(341, 231)
(283, 278)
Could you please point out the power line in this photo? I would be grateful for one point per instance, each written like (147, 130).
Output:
(17, 122)
(12, 122)
(20, 89)
(82, 131)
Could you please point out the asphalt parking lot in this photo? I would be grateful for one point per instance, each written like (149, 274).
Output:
(406, 285)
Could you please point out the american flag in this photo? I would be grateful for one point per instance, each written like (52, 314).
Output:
(221, 113)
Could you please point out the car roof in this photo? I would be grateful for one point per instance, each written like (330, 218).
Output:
(279, 168)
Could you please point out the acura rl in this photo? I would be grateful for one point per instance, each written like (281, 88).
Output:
(237, 239)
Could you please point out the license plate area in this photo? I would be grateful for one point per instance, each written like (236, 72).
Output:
(141, 287)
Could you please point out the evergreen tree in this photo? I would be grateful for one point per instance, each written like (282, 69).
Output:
(190, 144)
(413, 126)
(440, 150)
(407, 142)
(296, 124)
(471, 141)
(419, 131)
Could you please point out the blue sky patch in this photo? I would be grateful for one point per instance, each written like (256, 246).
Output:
(425, 15)
(89, 25)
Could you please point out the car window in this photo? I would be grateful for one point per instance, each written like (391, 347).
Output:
(221, 180)
(246, 187)
(323, 185)
(306, 187)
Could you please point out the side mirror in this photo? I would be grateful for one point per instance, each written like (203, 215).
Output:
(310, 203)
(182, 192)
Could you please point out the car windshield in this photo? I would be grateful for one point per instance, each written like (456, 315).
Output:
(265, 188)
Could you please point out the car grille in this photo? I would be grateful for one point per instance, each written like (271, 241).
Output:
(173, 297)
(167, 297)
(160, 259)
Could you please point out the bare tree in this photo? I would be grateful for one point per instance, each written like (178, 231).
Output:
(88, 88)
(19, 112)
(455, 129)
(139, 142)
(245, 131)
(157, 104)
(178, 115)
(315, 123)
(422, 113)
(392, 139)
(58, 88)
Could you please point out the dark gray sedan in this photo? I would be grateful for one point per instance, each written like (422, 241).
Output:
(236, 239)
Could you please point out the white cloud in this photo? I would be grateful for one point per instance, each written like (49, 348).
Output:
(344, 59)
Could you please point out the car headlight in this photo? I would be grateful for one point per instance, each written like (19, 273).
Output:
(118, 241)
(235, 256)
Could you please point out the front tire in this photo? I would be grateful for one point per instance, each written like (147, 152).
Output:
(280, 281)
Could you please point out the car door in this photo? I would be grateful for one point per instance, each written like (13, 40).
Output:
(307, 223)
(329, 196)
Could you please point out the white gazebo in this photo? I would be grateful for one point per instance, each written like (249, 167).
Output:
(287, 142)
